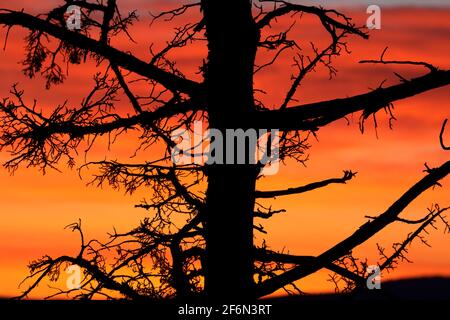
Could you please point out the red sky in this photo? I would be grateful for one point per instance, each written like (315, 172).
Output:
(35, 208)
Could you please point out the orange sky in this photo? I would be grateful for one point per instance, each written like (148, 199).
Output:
(35, 208)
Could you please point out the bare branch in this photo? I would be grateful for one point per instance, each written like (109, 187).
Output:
(270, 256)
(411, 63)
(364, 233)
(42, 140)
(441, 136)
(171, 14)
(122, 59)
(305, 69)
(348, 175)
(48, 265)
(315, 115)
(259, 213)
(401, 247)
(329, 23)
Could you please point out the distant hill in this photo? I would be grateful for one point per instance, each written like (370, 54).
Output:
(418, 289)
(433, 288)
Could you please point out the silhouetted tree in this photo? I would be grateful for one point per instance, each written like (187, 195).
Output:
(198, 238)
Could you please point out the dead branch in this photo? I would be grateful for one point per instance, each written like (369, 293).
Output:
(441, 136)
(348, 175)
(122, 59)
(364, 233)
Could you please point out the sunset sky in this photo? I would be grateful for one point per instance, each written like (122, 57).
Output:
(34, 208)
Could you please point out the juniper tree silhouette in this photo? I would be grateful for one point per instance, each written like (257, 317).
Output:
(212, 253)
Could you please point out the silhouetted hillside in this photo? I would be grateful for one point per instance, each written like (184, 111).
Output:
(423, 289)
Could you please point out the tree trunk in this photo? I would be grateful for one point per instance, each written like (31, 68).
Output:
(229, 234)
(232, 39)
